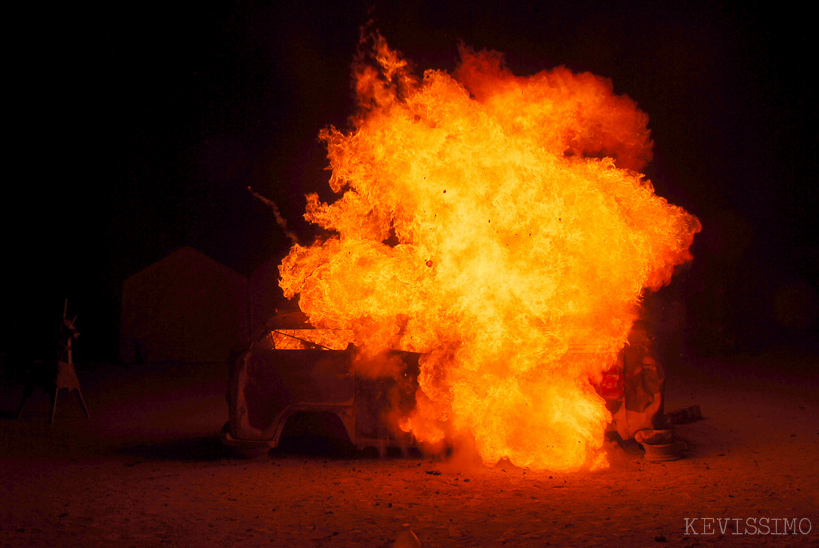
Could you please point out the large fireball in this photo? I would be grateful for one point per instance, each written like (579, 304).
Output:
(501, 226)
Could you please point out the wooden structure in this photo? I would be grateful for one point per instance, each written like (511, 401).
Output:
(66, 375)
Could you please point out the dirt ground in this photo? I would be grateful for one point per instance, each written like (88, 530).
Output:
(147, 469)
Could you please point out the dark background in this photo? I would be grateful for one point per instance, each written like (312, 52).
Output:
(156, 118)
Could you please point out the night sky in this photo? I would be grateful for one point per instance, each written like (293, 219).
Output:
(163, 115)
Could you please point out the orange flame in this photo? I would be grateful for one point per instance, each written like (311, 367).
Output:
(499, 225)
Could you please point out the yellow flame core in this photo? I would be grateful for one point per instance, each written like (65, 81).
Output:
(500, 225)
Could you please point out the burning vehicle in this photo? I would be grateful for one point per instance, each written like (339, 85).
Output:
(292, 369)
(498, 231)
(289, 371)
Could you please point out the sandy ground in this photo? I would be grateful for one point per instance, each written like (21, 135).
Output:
(147, 469)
